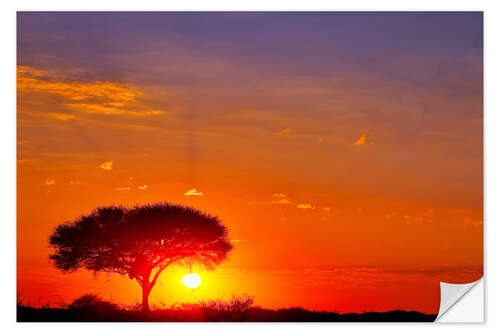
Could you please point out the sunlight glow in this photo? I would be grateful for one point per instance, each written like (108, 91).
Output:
(192, 280)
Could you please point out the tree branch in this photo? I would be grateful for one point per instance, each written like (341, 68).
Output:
(157, 274)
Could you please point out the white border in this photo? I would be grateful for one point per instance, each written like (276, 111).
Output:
(8, 144)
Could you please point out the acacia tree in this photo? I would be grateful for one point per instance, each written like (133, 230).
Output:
(140, 242)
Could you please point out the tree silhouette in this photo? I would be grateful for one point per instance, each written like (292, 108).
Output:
(140, 242)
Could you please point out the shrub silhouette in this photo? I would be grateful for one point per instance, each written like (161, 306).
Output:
(92, 303)
(91, 307)
(236, 309)
(197, 314)
(140, 242)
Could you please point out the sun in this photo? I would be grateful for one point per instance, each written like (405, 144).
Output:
(192, 280)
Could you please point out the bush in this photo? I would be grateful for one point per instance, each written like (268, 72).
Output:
(236, 309)
(91, 303)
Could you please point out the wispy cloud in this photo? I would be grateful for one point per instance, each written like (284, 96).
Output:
(193, 192)
(327, 209)
(74, 182)
(97, 97)
(474, 223)
(50, 181)
(425, 217)
(285, 132)
(143, 187)
(363, 140)
(31, 72)
(305, 206)
(62, 116)
(106, 166)
(410, 218)
(282, 199)
(123, 188)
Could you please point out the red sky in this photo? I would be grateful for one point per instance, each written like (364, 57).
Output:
(349, 170)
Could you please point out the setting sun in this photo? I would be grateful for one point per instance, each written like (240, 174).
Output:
(192, 280)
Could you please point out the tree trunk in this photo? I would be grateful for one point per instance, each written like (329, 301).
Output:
(145, 302)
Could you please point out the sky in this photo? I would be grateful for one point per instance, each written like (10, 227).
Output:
(343, 150)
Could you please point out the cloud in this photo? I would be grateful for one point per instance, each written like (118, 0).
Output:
(74, 182)
(469, 221)
(282, 201)
(377, 277)
(96, 97)
(305, 206)
(327, 209)
(143, 187)
(62, 116)
(362, 140)
(193, 192)
(426, 216)
(284, 132)
(50, 181)
(123, 188)
(30, 71)
(106, 166)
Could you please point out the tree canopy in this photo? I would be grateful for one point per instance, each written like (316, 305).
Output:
(140, 241)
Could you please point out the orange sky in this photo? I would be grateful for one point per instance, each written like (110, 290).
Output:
(350, 190)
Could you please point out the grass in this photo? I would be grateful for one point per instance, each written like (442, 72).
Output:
(239, 309)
